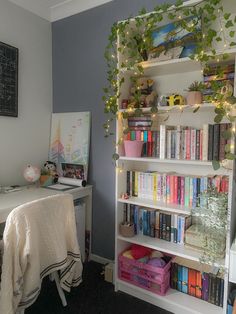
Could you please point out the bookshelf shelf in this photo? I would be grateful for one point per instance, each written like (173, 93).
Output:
(181, 65)
(174, 109)
(175, 249)
(173, 300)
(171, 77)
(164, 246)
(169, 161)
(173, 208)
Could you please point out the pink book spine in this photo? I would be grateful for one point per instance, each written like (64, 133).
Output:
(182, 191)
(193, 144)
(138, 135)
(172, 188)
(175, 189)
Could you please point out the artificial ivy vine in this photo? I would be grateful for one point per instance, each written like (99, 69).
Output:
(135, 41)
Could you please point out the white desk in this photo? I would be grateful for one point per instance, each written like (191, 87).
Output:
(8, 201)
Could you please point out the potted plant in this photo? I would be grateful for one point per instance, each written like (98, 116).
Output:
(194, 95)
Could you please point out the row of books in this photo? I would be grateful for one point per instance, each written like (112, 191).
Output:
(157, 224)
(205, 286)
(183, 142)
(171, 188)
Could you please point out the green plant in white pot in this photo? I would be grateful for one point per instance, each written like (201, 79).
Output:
(194, 96)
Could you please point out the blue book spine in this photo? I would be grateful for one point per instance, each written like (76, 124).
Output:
(184, 279)
(179, 230)
(148, 223)
(145, 222)
(135, 219)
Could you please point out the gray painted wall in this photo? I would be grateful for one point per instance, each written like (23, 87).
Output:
(79, 74)
(25, 140)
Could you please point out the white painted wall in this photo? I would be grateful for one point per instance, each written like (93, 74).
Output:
(25, 139)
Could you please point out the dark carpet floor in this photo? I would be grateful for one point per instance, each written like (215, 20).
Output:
(93, 296)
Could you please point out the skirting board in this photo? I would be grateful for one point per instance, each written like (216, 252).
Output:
(99, 259)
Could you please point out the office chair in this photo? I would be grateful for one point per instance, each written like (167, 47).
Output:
(39, 239)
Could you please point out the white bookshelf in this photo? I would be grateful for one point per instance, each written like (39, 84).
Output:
(170, 76)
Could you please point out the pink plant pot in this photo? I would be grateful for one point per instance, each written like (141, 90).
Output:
(133, 148)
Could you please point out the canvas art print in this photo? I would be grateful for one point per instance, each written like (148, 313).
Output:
(172, 41)
(69, 143)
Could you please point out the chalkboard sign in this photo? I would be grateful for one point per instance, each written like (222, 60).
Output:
(8, 80)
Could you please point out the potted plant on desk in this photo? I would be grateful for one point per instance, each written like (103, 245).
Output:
(45, 178)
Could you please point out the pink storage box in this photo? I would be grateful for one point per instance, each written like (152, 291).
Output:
(154, 279)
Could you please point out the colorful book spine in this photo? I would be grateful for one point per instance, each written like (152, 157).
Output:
(192, 282)
(205, 286)
(184, 279)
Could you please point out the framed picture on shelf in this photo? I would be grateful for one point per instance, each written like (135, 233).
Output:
(172, 41)
(8, 80)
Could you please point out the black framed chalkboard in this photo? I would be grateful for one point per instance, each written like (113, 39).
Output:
(8, 80)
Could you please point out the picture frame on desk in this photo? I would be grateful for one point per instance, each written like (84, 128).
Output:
(74, 171)
(8, 80)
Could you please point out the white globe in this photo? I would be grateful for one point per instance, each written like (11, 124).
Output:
(31, 173)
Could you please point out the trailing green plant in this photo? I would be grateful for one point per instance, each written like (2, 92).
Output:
(132, 40)
(196, 87)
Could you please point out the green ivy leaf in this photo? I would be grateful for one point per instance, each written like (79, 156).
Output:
(126, 131)
(231, 34)
(215, 164)
(115, 156)
(227, 148)
(229, 24)
(231, 100)
(125, 115)
(196, 109)
(227, 134)
(227, 16)
(178, 3)
(218, 118)
(230, 156)
(142, 11)
(232, 44)
(219, 111)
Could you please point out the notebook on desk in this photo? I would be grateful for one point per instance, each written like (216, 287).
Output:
(60, 187)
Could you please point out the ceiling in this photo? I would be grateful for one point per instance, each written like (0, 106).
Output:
(53, 10)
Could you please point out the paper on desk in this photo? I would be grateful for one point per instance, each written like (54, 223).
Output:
(60, 186)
